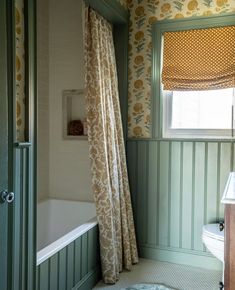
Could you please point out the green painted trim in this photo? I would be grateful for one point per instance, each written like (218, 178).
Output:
(110, 10)
(180, 140)
(205, 262)
(3, 144)
(12, 254)
(119, 17)
(158, 28)
(196, 22)
(121, 41)
(155, 84)
(23, 170)
(89, 280)
(31, 95)
(31, 70)
(11, 76)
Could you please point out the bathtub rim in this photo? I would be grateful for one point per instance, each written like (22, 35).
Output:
(51, 249)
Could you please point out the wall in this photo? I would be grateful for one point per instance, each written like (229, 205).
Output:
(70, 176)
(177, 188)
(43, 97)
(142, 14)
(176, 185)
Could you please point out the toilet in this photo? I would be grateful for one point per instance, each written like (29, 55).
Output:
(213, 238)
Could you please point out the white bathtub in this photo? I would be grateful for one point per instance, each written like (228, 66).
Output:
(60, 222)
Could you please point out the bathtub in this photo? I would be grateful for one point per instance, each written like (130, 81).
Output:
(68, 245)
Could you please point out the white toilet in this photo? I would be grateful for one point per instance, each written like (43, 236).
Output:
(213, 239)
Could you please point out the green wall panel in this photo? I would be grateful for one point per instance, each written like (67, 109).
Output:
(186, 201)
(175, 195)
(141, 202)
(62, 270)
(211, 185)
(77, 263)
(22, 239)
(84, 254)
(199, 192)
(70, 266)
(176, 187)
(77, 266)
(53, 273)
(163, 193)
(152, 193)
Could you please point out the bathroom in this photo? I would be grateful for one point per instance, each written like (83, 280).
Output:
(173, 231)
(176, 181)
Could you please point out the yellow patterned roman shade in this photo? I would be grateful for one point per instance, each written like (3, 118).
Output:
(201, 59)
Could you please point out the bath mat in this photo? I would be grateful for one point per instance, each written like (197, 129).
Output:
(148, 287)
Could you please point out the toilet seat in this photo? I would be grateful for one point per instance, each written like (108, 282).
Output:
(213, 231)
(213, 239)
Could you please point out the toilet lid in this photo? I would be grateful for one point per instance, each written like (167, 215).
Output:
(213, 231)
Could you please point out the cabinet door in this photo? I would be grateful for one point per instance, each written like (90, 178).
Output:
(229, 250)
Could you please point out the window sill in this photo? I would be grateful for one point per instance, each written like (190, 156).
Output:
(184, 138)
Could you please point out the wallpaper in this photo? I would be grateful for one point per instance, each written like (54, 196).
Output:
(142, 14)
(20, 70)
(123, 3)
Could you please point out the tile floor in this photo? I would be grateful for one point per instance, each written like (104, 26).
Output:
(176, 276)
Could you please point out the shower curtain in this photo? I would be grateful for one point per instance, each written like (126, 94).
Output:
(107, 152)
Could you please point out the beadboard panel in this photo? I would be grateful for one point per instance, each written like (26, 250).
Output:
(23, 218)
(176, 188)
(77, 266)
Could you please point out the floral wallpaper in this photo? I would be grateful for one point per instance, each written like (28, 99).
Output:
(123, 3)
(142, 14)
(20, 70)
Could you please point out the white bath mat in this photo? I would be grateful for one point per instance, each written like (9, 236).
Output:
(148, 287)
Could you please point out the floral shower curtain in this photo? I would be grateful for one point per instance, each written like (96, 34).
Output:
(107, 152)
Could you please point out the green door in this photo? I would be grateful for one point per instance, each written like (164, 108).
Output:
(4, 206)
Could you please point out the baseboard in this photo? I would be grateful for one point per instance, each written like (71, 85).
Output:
(177, 257)
(89, 280)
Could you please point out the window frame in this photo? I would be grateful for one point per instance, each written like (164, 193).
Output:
(158, 29)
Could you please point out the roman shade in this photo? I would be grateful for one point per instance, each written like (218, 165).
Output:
(201, 59)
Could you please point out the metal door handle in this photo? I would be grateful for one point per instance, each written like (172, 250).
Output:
(7, 196)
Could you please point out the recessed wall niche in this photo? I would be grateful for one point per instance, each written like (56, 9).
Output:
(74, 115)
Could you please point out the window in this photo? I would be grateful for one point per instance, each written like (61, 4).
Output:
(193, 101)
(198, 113)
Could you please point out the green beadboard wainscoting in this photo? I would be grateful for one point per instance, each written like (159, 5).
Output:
(22, 236)
(176, 188)
(75, 267)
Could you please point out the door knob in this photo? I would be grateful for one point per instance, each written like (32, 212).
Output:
(6, 196)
